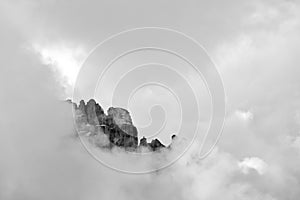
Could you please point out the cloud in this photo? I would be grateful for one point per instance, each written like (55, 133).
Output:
(256, 46)
(244, 115)
(253, 163)
(65, 59)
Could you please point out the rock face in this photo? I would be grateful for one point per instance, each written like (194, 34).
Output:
(143, 142)
(91, 112)
(156, 145)
(116, 125)
(121, 118)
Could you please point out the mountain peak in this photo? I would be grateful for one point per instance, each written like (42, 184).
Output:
(117, 126)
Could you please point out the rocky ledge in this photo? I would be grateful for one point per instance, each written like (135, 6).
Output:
(116, 126)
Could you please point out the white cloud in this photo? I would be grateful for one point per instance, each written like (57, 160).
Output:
(244, 115)
(66, 60)
(253, 163)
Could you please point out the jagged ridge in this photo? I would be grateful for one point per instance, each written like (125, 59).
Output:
(116, 125)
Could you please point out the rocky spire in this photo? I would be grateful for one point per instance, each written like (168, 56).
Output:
(116, 125)
(122, 118)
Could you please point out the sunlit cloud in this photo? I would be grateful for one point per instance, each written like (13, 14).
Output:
(253, 163)
(244, 115)
(66, 60)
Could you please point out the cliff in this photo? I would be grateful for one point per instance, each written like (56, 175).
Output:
(116, 125)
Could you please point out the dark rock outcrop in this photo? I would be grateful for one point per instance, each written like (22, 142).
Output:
(122, 119)
(117, 136)
(116, 125)
(156, 145)
(143, 142)
(91, 112)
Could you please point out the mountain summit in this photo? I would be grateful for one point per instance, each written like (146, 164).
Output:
(112, 129)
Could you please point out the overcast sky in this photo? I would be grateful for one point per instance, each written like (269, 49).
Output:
(255, 45)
